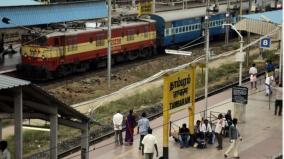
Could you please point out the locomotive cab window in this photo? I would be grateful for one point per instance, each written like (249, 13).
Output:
(34, 40)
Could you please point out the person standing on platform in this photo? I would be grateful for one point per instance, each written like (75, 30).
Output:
(229, 119)
(117, 122)
(142, 128)
(4, 148)
(268, 84)
(149, 142)
(234, 135)
(278, 100)
(130, 123)
(220, 126)
(253, 73)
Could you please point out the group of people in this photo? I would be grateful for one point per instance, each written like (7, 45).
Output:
(203, 133)
(148, 142)
(269, 79)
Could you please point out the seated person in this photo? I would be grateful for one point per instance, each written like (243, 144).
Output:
(184, 136)
(197, 127)
(207, 131)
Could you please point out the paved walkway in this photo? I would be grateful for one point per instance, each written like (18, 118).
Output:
(262, 133)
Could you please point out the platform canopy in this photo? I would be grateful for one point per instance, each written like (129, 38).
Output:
(20, 99)
(262, 23)
(35, 14)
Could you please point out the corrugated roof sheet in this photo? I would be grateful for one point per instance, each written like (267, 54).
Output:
(18, 2)
(52, 13)
(11, 82)
(191, 13)
(272, 16)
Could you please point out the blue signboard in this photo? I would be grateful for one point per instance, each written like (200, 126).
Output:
(265, 42)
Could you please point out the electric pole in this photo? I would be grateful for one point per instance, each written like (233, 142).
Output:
(206, 33)
(248, 38)
(109, 46)
(227, 21)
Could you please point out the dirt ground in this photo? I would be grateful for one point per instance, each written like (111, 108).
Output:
(93, 85)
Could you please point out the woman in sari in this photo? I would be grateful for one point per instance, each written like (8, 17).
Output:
(130, 124)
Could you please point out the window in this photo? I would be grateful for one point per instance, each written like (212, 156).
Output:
(173, 31)
(100, 40)
(130, 35)
(146, 32)
(72, 43)
(180, 29)
(167, 32)
(186, 28)
(183, 29)
(177, 31)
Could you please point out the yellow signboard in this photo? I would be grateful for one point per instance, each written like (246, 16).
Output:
(178, 93)
(144, 7)
(177, 89)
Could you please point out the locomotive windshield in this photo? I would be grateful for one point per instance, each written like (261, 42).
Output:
(33, 39)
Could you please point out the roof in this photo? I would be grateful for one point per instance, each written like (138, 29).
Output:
(195, 12)
(18, 2)
(114, 26)
(52, 13)
(35, 100)
(10, 82)
(185, 14)
(271, 16)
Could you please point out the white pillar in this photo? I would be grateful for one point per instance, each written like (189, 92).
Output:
(18, 112)
(85, 142)
(53, 136)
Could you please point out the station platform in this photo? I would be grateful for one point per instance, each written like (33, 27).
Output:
(262, 132)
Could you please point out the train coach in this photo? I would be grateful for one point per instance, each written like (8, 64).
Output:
(68, 51)
(174, 27)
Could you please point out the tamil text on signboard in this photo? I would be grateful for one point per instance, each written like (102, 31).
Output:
(177, 89)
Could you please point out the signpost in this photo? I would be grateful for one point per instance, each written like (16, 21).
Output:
(178, 93)
(265, 42)
(240, 95)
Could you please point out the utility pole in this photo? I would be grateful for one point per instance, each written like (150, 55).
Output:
(248, 38)
(109, 46)
(227, 21)
(206, 33)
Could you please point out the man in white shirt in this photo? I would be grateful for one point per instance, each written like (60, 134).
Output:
(149, 142)
(253, 73)
(207, 131)
(117, 123)
(5, 152)
(268, 84)
(220, 126)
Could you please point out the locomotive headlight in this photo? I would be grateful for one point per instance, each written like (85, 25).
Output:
(43, 57)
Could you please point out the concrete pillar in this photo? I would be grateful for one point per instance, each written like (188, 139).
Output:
(85, 142)
(0, 129)
(18, 112)
(53, 136)
(240, 112)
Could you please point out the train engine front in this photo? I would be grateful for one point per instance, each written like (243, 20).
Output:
(39, 56)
